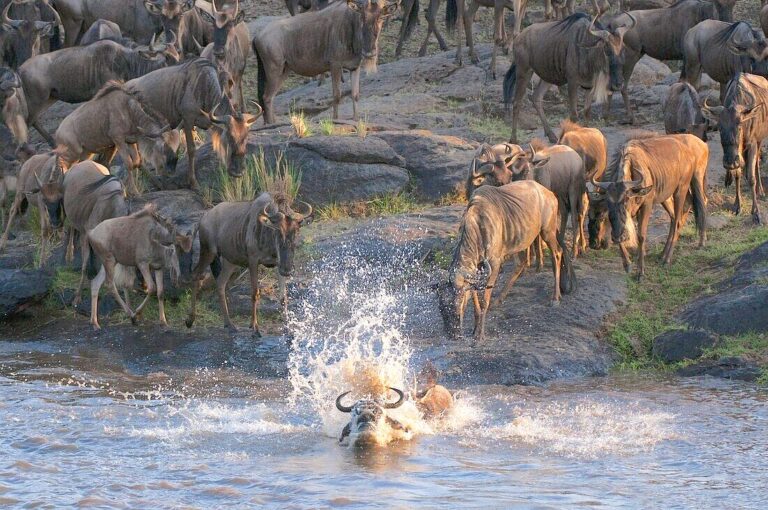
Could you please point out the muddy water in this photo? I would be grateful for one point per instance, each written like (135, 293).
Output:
(82, 434)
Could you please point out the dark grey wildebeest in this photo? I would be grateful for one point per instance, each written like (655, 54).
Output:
(185, 18)
(501, 222)
(112, 122)
(88, 194)
(651, 171)
(190, 95)
(658, 33)
(560, 169)
(134, 18)
(411, 19)
(743, 125)
(74, 75)
(573, 51)
(262, 232)
(369, 423)
(103, 30)
(682, 111)
(722, 50)
(343, 36)
(23, 30)
(230, 46)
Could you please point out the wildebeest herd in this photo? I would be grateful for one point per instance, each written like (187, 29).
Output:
(146, 71)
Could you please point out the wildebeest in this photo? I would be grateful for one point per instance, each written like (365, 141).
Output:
(573, 51)
(135, 19)
(723, 8)
(411, 19)
(343, 36)
(560, 169)
(743, 125)
(432, 400)
(33, 173)
(368, 418)
(682, 111)
(297, 6)
(194, 32)
(722, 50)
(112, 122)
(589, 143)
(189, 95)
(21, 37)
(498, 223)
(658, 33)
(650, 171)
(88, 194)
(262, 232)
(102, 30)
(74, 75)
(142, 240)
(229, 49)
(14, 104)
(492, 165)
(764, 18)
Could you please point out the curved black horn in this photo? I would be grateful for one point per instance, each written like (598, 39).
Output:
(598, 184)
(341, 407)
(6, 19)
(632, 18)
(306, 208)
(602, 34)
(394, 405)
(637, 182)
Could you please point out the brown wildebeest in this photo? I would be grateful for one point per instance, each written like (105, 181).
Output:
(262, 232)
(722, 50)
(492, 166)
(573, 51)
(297, 6)
(188, 95)
(229, 49)
(650, 171)
(411, 19)
(143, 240)
(589, 143)
(682, 111)
(498, 223)
(14, 104)
(560, 169)
(343, 36)
(743, 125)
(22, 37)
(135, 19)
(35, 170)
(103, 30)
(432, 399)
(89, 195)
(74, 75)
(658, 33)
(112, 122)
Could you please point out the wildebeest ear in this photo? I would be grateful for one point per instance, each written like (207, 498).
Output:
(352, 4)
(640, 192)
(748, 114)
(205, 15)
(240, 17)
(152, 7)
(390, 9)
(594, 196)
(540, 163)
(45, 28)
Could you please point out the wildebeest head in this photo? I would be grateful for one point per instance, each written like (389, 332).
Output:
(230, 137)
(493, 165)
(224, 21)
(612, 43)
(161, 53)
(170, 13)
(731, 119)
(9, 83)
(52, 191)
(372, 15)
(744, 41)
(597, 218)
(23, 36)
(367, 415)
(167, 236)
(452, 295)
(527, 164)
(161, 153)
(615, 196)
(285, 222)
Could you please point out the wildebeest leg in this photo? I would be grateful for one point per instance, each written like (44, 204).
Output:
(461, 15)
(196, 286)
(45, 233)
(253, 269)
(643, 218)
(70, 254)
(227, 270)
(345, 432)
(548, 12)
(84, 255)
(355, 92)
(583, 212)
(513, 278)
(469, 17)
(498, 33)
(538, 103)
(434, 6)
(132, 158)
(753, 170)
(160, 297)
(522, 77)
(563, 210)
(96, 284)
(476, 303)
(336, 84)
(407, 7)
(147, 275)
(17, 199)
(573, 101)
(109, 264)
(626, 261)
(191, 177)
(675, 224)
(549, 235)
(630, 62)
(479, 332)
(578, 212)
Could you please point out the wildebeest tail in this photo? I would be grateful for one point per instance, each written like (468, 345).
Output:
(567, 275)
(93, 263)
(23, 205)
(509, 84)
(262, 74)
(413, 19)
(90, 188)
(216, 266)
(451, 15)
(699, 205)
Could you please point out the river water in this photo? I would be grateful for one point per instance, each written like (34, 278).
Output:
(102, 423)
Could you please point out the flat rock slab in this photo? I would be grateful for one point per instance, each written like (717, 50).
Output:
(20, 289)
(678, 345)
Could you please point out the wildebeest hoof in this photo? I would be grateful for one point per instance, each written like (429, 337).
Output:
(189, 323)
(256, 333)
(756, 218)
(96, 328)
(555, 302)
(134, 320)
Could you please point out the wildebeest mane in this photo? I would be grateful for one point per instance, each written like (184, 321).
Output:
(567, 23)
(538, 144)
(721, 38)
(109, 87)
(92, 187)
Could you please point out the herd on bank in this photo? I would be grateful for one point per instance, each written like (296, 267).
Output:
(139, 95)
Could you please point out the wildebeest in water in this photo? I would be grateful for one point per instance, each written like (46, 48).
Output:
(368, 418)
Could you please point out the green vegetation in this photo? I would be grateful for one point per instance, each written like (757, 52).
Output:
(260, 174)
(384, 205)
(327, 127)
(301, 126)
(653, 302)
(361, 128)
